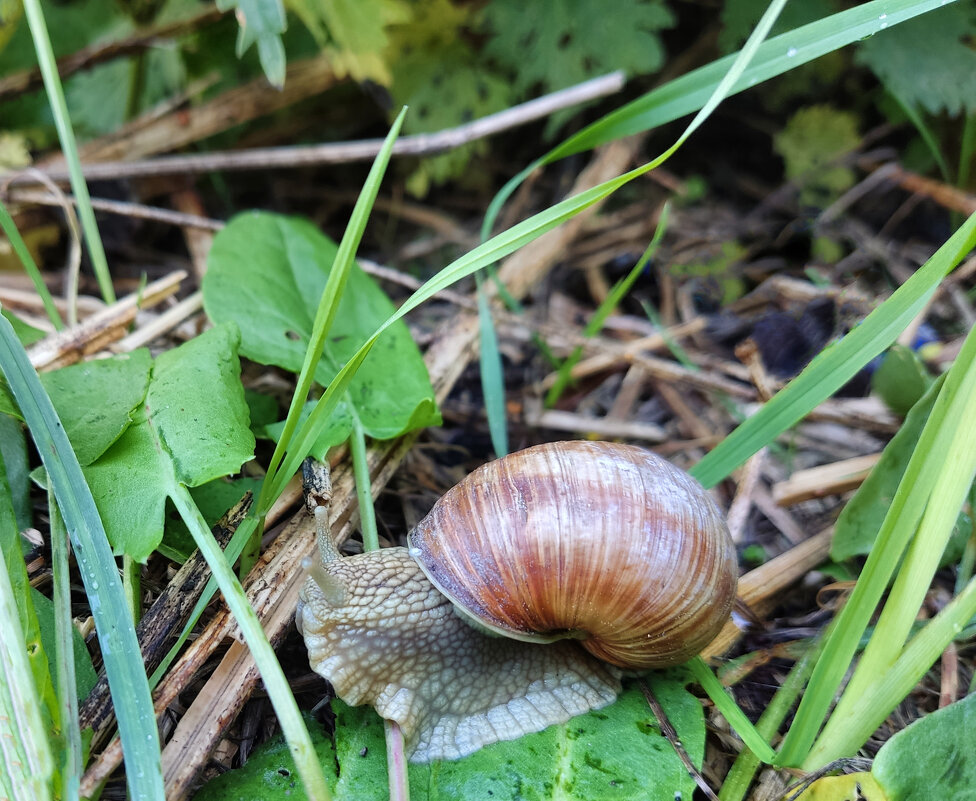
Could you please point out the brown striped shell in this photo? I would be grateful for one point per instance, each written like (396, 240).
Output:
(603, 542)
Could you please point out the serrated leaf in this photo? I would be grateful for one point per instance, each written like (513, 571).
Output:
(266, 273)
(354, 33)
(614, 753)
(193, 425)
(932, 758)
(927, 61)
(564, 42)
(444, 87)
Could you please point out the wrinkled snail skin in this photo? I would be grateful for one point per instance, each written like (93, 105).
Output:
(398, 645)
(601, 543)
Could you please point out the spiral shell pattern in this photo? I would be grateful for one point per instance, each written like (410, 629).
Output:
(599, 541)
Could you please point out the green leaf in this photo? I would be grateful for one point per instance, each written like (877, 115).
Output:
(559, 43)
(353, 33)
(928, 62)
(901, 380)
(261, 21)
(13, 452)
(27, 334)
(932, 758)
(267, 273)
(613, 753)
(812, 144)
(85, 675)
(95, 400)
(194, 417)
(861, 519)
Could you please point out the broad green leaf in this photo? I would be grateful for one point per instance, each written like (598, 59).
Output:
(95, 400)
(263, 22)
(812, 144)
(193, 418)
(928, 62)
(613, 753)
(336, 429)
(267, 273)
(901, 379)
(935, 757)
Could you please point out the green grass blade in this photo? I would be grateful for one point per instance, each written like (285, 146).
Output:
(326, 312)
(947, 456)
(279, 692)
(26, 762)
(492, 374)
(870, 710)
(730, 710)
(364, 495)
(30, 267)
(780, 54)
(614, 297)
(72, 764)
(62, 121)
(116, 634)
(688, 93)
(836, 365)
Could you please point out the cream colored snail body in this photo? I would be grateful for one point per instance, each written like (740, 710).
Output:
(572, 543)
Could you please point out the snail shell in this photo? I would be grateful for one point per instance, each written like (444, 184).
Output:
(603, 542)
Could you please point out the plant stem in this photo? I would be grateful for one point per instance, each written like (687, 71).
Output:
(364, 495)
(62, 120)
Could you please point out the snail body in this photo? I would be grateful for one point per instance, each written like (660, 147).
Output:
(604, 544)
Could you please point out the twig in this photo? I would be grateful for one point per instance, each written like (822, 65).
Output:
(669, 731)
(96, 54)
(344, 152)
(97, 331)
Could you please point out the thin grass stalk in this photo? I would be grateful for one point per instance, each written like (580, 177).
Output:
(614, 297)
(116, 633)
(69, 148)
(325, 314)
(492, 374)
(736, 718)
(69, 726)
(30, 267)
(953, 468)
(26, 761)
(870, 710)
(739, 778)
(279, 692)
(364, 495)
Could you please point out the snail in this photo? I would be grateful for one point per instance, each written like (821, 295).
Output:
(558, 546)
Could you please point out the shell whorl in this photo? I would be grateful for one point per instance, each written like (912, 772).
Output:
(605, 542)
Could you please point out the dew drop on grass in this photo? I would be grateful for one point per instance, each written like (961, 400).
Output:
(791, 52)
